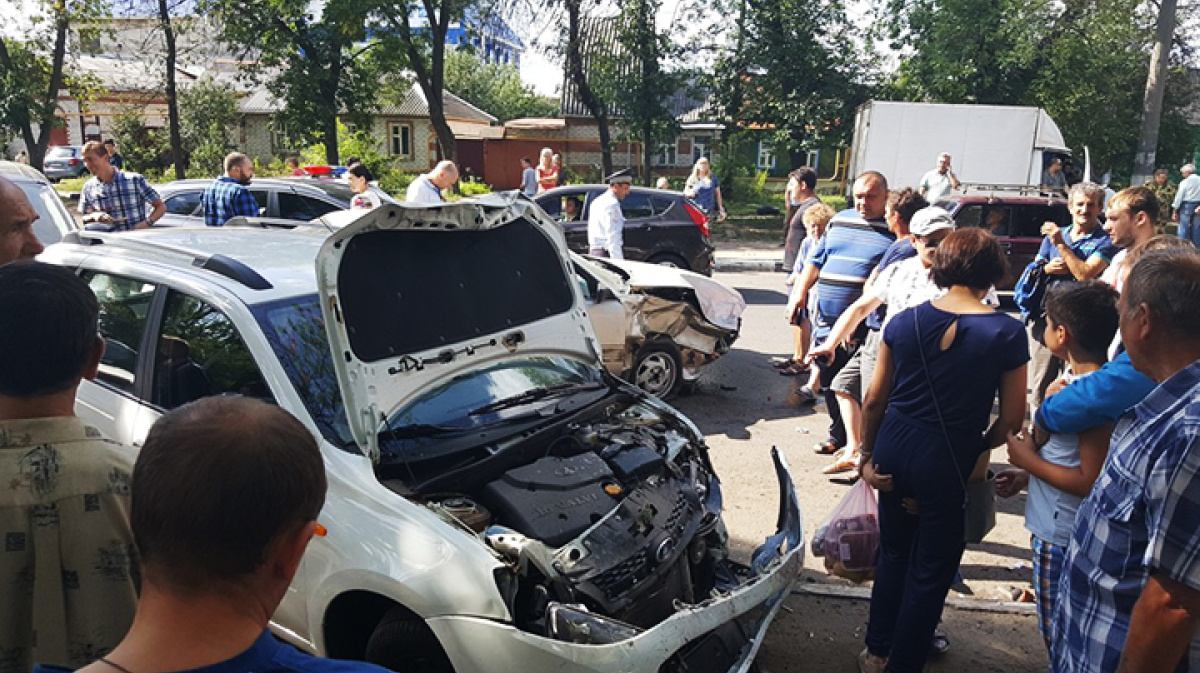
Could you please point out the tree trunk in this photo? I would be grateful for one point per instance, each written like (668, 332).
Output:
(177, 159)
(330, 105)
(1156, 82)
(575, 69)
(447, 146)
(647, 151)
(45, 115)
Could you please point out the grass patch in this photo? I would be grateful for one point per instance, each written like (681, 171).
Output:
(71, 184)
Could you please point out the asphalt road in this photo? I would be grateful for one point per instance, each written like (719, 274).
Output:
(744, 407)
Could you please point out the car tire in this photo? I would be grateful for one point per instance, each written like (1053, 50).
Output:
(658, 369)
(670, 259)
(405, 643)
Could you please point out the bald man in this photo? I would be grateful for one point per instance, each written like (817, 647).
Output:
(427, 188)
(17, 240)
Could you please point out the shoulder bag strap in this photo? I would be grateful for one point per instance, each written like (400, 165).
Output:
(936, 406)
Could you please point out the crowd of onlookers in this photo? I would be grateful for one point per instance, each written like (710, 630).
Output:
(1095, 392)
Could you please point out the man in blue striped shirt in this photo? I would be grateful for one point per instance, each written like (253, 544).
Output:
(227, 196)
(839, 266)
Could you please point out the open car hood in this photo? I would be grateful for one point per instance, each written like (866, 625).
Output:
(413, 296)
(721, 305)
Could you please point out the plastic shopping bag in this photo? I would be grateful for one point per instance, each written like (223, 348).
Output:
(851, 536)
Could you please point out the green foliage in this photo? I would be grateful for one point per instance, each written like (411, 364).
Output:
(208, 115)
(144, 149)
(494, 88)
(395, 182)
(797, 70)
(474, 187)
(351, 143)
(1084, 61)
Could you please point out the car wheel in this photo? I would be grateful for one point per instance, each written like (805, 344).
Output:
(658, 369)
(404, 643)
(669, 259)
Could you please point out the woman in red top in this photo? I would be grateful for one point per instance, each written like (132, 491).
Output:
(547, 172)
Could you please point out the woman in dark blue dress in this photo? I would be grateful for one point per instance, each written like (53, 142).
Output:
(969, 352)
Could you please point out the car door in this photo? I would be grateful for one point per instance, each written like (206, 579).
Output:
(113, 401)
(641, 230)
(610, 321)
(1026, 236)
(183, 209)
(574, 228)
(296, 206)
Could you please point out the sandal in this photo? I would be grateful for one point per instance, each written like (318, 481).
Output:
(841, 466)
(784, 364)
(794, 369)
(826, 448)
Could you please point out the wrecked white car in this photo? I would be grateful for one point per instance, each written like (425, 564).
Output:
(657, 325)
(497, 501)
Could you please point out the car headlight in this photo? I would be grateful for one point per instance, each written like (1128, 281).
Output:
(574, 625)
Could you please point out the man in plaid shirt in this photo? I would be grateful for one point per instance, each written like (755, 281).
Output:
(227, 196)
(1130, 591)
(113, 197)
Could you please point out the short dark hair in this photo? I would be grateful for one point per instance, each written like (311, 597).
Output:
(526, 160)
(110, 141)
(48, 328)
(235, 159)
(215, 484)
(873, 176)
(360, 171)
(1137, 200)
(970, 257)
(94, 148)
(906, 202)
(806, 175)
(1159, 242)
(1168, 282)
(1088, 309)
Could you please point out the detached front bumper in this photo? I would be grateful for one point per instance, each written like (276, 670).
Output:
(475, 644)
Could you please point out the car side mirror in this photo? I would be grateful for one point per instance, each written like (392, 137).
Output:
(604, 294)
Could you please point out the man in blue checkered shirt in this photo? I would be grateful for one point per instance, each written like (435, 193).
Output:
(1129, 599)
(227, 196)
(115, 198)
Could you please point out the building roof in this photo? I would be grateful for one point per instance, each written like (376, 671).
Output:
(263, 102)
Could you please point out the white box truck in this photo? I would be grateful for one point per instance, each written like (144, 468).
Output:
(997, 145)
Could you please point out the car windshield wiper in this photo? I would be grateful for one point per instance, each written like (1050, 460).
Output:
(535, 394)
(419, 430)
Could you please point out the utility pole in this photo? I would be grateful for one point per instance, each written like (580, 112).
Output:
(1156, 83)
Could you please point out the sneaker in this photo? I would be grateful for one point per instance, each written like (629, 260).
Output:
(805, 395)
(940, 644)
(869, 663)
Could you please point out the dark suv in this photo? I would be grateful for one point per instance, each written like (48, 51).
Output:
(661, 227)
(1015, 219)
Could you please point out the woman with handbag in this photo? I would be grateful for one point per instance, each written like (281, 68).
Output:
(926, 436)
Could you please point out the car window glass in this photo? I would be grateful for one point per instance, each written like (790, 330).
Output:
(557, 208)
(124, 305)
(636, 205)
(200, 353)
(969, 216)
(51, 221)
(297, 207)
(997, 219)
(184, 203)
(661, 204)
(1030, 219)
(261, 197)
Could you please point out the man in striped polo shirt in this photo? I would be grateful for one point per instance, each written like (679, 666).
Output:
(839, 266)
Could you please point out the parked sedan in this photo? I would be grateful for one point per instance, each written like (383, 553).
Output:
(64, 161)
(53, 220)
(1015, 219)
(303, 199)
(661, 227)
(657, 326)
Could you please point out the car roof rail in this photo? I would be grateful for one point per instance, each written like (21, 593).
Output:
(1018, 190)
(215, 262)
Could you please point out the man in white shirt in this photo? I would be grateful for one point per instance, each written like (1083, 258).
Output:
(606, 222)
(938, 182)
(427, 187)
(1187, 202)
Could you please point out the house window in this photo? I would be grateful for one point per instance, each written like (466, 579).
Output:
(700, 147)
(665, 155)
(766, 155)
(400, 139)
(812, 158)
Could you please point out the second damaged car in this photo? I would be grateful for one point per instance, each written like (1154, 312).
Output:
(657, 325)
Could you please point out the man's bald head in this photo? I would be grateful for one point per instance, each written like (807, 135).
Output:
(17, 240)
(444, 174)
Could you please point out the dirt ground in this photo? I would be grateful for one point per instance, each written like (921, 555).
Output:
(744, 407)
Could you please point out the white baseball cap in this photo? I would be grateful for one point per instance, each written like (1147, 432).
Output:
(931, 219)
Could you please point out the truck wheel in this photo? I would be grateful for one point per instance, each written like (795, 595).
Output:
(658, 369)
(404, 643)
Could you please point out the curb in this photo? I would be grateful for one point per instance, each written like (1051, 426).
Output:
(745, 265)
(971, 604)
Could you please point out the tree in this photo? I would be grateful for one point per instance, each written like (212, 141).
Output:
(177, 158)
(210, 114)
(796, 71)
(423, 47)
(574, 48)
(32, 73)
(1156, 82)
(319, 66)
(495, 88)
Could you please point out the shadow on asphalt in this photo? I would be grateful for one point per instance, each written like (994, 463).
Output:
(758, 296)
